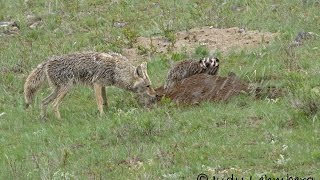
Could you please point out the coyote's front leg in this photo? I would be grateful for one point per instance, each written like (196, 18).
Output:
(101, 98)
(46, 101)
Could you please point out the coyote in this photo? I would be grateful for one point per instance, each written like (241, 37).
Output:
(186, 69)
(88, 68)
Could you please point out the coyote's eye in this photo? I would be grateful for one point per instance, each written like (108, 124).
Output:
(148, 86)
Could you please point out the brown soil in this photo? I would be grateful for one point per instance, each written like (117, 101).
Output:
(204, 87)
(222, 40)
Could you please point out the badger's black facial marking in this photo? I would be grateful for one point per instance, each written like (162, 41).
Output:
(207, 65)
(202, 63)
(216, 62)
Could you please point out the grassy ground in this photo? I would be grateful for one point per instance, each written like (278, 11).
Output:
(244, 137)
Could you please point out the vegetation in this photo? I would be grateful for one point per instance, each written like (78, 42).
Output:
(244, 137)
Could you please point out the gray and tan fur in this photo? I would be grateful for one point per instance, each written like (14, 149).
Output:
(185, 69)
(89, 68)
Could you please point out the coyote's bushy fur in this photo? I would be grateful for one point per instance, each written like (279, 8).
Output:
(88, 68)
(185, 69)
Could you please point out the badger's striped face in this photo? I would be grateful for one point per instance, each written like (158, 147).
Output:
(211, 62)
(212, 65)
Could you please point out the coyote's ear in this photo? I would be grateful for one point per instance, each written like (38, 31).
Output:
(143, 65)
(145, 72)
(144, 68)
(139, 71)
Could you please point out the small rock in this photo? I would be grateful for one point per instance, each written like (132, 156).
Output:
(9, 28)
(296, 103)
(17, 69)
(274, 8)
(241, 30)
(33, 21)
(236, 8)
(1, 114)
(302, 36)
(119, 24)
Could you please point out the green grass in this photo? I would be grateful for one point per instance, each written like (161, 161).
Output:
(246, 137)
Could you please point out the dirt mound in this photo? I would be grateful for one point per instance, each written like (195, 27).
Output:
(222, 40)
(204, 87)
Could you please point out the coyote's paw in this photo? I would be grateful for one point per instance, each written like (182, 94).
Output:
(43, 118)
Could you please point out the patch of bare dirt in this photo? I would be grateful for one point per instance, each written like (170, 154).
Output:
(222, 40)
(203, 87)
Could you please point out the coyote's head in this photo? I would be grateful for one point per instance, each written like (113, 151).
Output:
(142, 86)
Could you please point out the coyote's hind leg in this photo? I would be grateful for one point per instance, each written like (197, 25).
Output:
(104, 97)
(101, 98)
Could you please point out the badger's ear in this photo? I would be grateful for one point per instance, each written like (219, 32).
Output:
(202, 63)
(215, 62)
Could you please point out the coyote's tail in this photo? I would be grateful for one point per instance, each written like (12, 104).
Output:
(33, 83)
